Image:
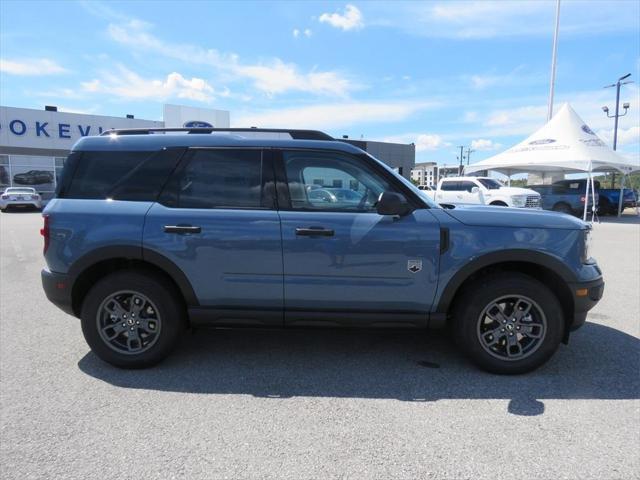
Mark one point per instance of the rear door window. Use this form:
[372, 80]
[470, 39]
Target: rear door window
[220, 178]
[450, 186]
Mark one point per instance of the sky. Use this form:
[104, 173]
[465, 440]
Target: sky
[439, 74]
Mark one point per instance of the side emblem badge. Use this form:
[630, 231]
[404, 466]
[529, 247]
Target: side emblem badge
[414, 266]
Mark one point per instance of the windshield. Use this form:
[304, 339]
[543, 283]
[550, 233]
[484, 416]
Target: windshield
[408, 184]
[490, 183]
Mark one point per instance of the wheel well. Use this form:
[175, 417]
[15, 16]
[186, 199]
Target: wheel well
[499, 203]
[105, 267]
[564, 204]
[548, 277]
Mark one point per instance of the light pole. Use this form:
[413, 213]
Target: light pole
[617, 115]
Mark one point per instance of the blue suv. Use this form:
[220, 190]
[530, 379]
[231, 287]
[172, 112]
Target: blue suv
[154, 231]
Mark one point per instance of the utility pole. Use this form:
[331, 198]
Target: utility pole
[605, 109]
[469, 152]
[461, 158]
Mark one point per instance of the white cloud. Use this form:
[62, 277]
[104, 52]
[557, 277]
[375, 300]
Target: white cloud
[127, 84]
[332, 116]
[351, 19]
[307, 32]
[484, 144]
[423, 141]
[33, 66]
[626, 136]
[270, 76]
[296, 33]
[503, 18]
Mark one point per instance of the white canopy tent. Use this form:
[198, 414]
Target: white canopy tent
[565, 144]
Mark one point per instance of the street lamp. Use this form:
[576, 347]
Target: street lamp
[469, 152]
[617, 115]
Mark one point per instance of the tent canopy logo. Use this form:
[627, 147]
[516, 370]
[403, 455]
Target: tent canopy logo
[542, 141]
[586, 129]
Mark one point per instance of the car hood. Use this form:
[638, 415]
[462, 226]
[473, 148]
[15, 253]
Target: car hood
[486, 216]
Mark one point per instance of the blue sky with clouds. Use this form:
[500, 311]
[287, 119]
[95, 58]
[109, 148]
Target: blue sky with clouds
[439, 74]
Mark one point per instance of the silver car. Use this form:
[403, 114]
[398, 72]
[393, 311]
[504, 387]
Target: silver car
[20, 197]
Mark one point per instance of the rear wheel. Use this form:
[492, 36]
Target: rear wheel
[508, 323]
[562, 208]
[131, 319]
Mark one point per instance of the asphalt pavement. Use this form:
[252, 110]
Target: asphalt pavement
[243, 404]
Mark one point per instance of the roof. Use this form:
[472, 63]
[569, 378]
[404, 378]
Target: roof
[565, 143]
[157, 141]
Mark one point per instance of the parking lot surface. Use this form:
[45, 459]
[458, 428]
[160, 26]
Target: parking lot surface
[315, 404]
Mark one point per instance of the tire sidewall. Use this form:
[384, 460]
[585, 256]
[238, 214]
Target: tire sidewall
[480, 294]
[159, 292]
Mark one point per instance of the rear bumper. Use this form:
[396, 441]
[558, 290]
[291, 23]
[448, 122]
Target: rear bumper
[57, 288]
[585, 302]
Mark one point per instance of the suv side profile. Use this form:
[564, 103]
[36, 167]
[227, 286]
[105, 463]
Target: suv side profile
[154, 231]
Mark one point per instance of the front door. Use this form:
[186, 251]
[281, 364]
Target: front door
[343, 262]
[216, 220]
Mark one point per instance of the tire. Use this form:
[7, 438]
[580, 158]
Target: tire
[498, 204]
[471, 323]
[160, 320]
[563, 208]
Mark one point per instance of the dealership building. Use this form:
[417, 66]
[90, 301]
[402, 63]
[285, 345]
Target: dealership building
[35, 143]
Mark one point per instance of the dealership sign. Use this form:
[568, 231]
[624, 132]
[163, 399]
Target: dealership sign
[28, 128]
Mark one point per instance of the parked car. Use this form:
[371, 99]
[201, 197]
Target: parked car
[20, 197]
[560, 197]
[33, 177]
[152, 233]
[428, 188]
[484, 191]
[334, 195]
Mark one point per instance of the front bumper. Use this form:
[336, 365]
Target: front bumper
[57, 288]
[585, 296]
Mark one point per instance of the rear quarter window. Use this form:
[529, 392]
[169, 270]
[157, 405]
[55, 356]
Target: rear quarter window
[117, 175]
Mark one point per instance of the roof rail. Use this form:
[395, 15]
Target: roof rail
[295, 134]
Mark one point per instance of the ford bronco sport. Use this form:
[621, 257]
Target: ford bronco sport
[156, 230]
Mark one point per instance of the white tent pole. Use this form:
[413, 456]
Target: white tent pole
[586, 198]
[593, 198]
[553, 62]
[621, 193]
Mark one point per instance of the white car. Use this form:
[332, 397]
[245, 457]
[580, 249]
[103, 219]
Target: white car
[20, 197]
[484, 191]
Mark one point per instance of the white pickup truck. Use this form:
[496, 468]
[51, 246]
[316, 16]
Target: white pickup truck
[484, 191]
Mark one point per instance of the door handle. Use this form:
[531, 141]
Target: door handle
[314, 232]
[182, 229]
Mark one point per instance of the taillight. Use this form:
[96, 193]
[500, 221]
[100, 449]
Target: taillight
[34, 197]
[582, 199]
[44, 231]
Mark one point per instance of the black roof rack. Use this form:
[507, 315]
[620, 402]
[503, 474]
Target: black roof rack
[295, 134]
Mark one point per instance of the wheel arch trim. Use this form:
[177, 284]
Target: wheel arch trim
[496, 258]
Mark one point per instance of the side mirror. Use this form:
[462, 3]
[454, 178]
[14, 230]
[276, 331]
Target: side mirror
[475, 190]
[392, 203]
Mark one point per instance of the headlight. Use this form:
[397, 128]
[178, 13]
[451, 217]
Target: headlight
[586, 253]
[519, 200]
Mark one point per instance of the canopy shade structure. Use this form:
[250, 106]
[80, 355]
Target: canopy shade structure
[564, 144]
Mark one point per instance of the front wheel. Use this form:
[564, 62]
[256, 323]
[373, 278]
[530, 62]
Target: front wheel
[132, 319]
[508, 323]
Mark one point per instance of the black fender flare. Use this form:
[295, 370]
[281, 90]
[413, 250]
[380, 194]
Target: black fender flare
[132, 252]
[494, 258]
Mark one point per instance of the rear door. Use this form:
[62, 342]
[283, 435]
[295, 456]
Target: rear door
[449, 192]
[216, 221]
